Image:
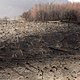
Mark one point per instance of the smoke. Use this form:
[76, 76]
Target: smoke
[13, 8]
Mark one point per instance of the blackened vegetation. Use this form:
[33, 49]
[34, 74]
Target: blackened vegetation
[48, 45]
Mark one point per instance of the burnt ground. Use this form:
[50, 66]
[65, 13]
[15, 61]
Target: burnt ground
[40, 51]
[42, 69]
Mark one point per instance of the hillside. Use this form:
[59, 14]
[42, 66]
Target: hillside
[39, 50]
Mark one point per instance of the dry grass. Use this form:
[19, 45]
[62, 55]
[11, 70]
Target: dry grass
[51, 12]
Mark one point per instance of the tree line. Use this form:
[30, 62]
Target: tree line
[53, 12]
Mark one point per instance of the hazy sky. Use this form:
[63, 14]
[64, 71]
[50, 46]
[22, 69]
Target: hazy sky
[16, 7]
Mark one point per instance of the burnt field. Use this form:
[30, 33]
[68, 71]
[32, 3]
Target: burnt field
[39, 51]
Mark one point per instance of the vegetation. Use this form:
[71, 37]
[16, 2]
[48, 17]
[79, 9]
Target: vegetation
[49, 12]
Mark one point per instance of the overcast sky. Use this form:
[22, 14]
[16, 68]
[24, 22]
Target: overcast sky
[16, 7]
